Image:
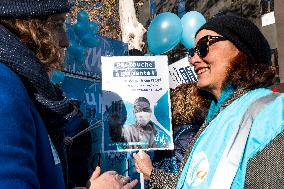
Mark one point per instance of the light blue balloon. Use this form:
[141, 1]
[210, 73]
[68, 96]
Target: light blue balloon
[72, 47]
[80, 52]
[82, 16]
[164, 33]
[86, 32]
[89, 40]
[76, 49]
[191, 22]
[80, 28]
[93, 27]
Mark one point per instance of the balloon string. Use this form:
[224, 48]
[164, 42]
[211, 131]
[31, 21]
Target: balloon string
[96, 125]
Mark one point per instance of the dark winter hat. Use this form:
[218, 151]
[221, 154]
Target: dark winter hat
[244, 34]
[32, 8]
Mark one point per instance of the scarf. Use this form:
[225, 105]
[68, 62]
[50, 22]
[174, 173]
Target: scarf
[215, 105]
[53, 107]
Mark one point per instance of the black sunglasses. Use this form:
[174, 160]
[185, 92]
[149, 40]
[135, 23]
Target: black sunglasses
[202, 46]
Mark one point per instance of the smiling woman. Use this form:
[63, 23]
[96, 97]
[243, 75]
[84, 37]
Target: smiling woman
[240, 144]
[212, 66]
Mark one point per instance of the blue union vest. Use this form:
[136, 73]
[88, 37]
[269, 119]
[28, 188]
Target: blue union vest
[200, 168]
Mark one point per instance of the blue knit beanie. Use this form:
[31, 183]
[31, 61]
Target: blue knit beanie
[32, 8]
[243, 33]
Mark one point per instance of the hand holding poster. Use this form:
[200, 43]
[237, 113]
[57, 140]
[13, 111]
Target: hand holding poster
[136, 105]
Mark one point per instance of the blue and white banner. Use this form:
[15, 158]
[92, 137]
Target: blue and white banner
[181, 72]
[153, 7]
[91, 66]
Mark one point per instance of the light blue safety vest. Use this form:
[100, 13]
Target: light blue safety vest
[204, 167]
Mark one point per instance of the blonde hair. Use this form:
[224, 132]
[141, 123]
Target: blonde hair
[36, 34]
[189, 105]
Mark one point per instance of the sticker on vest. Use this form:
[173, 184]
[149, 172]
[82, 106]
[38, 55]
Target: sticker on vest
[198, 170]
[54, 153]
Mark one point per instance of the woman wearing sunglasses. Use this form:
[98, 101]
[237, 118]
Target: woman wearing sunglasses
[240, 144]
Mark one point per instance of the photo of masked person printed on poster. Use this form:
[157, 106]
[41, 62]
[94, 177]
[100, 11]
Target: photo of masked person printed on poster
[136, 103]
[140, 134]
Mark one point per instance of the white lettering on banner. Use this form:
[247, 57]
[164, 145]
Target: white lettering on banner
[181, 72]
[90, 98]
[161, 138]
[96, 56]
[134, 64]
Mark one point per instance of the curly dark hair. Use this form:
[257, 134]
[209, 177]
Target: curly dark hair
[36, 35]
[189, 104]
[246, 73]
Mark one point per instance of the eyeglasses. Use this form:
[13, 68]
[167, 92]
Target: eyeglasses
[202, 46]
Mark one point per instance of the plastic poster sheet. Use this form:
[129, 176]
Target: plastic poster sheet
[136, 103]
[87, 93]
[181, 72]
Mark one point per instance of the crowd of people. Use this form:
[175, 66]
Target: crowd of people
[228, 127]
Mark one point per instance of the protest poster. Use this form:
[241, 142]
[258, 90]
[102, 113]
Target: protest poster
[136, 103]
[181, 72]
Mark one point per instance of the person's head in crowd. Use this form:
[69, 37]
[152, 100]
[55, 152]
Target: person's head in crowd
[189, 104]
[142, 111]
[40, 26]
[32, 40]
[230, 49]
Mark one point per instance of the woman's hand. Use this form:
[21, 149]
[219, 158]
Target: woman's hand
[68, 141]
[143, 164]
[109, 179]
